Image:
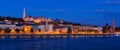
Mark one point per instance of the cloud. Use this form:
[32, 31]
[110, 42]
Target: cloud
[59, 10]
[109, 13]
[103, 11]
[46, 10]
[111, 2]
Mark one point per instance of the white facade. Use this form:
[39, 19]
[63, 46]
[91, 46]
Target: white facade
[99, 29]
[28, 19]
[48, 27]
[85, 27]
[10, 26]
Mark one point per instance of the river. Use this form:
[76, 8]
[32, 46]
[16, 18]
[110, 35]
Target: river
[87, 43]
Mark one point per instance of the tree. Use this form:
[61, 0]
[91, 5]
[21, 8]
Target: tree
[1, 29]
[17, 30]
[22, 30]
[104, 31]
[31, 30]
[69, 30]
[7, 30]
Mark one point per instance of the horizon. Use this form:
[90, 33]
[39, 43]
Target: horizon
[84, 12]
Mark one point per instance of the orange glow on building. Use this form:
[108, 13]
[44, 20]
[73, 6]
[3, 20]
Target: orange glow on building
[12, 31]
[2, 32]
[56, 32]
[51, 32]
[42, 32]
[37, 32]
[21, 32]
[37, 20]
[27, 29]
[63, 31]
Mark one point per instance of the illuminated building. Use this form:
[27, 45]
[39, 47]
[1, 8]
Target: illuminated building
[112, 29]
[2, 32]
[47, 28]
[76, 29]
[98, 30]
[26, 18]
[117, 30]
[106, 28]
[27, 28]
[35, 19]
[61, 29]
[86, 30]
[109, 29]
[11, 26]
[41, 19]
[7, 21]
[12, 31]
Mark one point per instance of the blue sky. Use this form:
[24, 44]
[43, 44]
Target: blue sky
[94, 12]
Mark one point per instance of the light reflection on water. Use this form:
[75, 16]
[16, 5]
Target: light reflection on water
[61, 43]
[55, 36]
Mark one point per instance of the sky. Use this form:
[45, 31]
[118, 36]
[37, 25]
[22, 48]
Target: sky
[93, 12]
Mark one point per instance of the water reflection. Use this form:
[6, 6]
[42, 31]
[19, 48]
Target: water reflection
[56, 36]
[62, 44]
[13, 36]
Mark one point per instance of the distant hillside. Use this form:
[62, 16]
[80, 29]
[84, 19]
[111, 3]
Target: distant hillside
[11, 18]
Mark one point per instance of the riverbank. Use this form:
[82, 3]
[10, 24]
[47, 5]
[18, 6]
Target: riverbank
[15, 36]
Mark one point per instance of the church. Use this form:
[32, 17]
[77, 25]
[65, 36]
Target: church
[35, 19]
[109, 29]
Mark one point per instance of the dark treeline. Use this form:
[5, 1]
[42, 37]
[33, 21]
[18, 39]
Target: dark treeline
[11, 18]
[21, 20]
[57, 21]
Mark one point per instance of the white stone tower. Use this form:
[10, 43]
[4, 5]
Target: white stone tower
[24, 13]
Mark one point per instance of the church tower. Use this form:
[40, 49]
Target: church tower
[113, 26]
[24, 13]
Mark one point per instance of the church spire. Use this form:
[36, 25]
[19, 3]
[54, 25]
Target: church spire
[24, 13]
[113, 26]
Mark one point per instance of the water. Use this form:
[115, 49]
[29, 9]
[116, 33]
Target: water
[90, 43]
